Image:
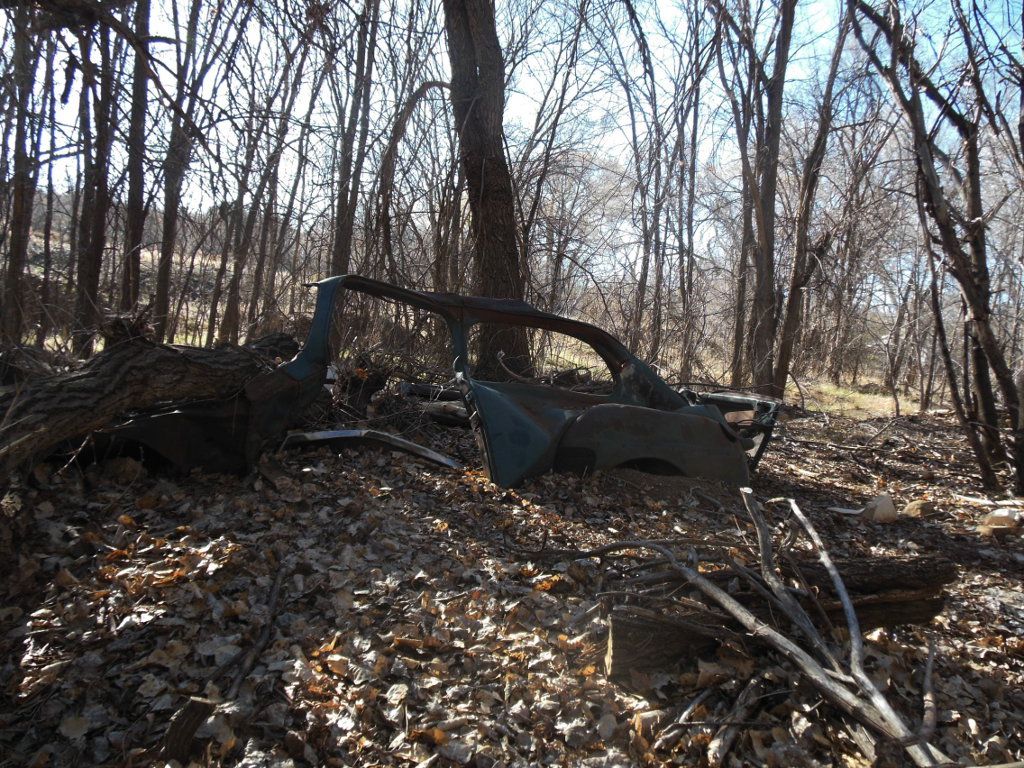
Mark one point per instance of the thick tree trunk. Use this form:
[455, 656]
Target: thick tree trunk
[478, 101]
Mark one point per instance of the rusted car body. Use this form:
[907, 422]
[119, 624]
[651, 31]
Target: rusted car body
[524, 428]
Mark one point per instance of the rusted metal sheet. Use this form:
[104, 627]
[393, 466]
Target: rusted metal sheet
[342, 438]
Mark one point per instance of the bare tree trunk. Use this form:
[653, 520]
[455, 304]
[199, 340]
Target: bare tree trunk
[135, 212]
[988, 477]
[264, 249]
[23, 184]
[740, 310]
[478, 101]
[232, 215]
[803, 267]
[386, 176]
[94, 225]
[764, 318]
[176, 162]
[45, 289]
[961, 234]
[353, 144]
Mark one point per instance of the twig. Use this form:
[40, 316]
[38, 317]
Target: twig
[257, 650]
[921, 752]
[930, 714]
[177, 742]
[722, 742]
[837, 446]
[513, 374]
[812, 596]
[792, 608]
[675, 730]
[878, 434]
[717, 504]
[602, 551]
[803, 400]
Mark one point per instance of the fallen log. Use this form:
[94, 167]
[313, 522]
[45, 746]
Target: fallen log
[885, 593]
[128, 376]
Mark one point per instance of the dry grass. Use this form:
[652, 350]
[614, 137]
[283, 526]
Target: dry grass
[862, 402]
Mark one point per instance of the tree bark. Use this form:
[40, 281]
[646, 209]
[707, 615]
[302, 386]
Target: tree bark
[803, 266]
[127, 376]
[353, 142]
[96, 200]
[763, 314]
[478, 102]
[135, 208]
[23, 184]
[176, 162]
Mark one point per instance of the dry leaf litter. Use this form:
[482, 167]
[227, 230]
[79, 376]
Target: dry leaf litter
[368, 608]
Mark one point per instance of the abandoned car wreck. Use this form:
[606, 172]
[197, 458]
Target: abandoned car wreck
[524, 428]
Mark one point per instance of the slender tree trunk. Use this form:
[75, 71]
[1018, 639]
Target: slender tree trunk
[353, 144]
[232, 219]
[804, 267]
[252, 311]
[764, 316]
[12, 319]
[86, 275]
[45, 290]
[135, 212]
[988, 476]
[176, 162]
[740, 312]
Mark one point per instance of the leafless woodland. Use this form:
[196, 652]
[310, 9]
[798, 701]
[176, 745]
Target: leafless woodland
[748, 193]
[768, 196]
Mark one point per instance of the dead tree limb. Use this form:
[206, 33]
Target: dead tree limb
[746, 704]
[131, 375]
[871, 708]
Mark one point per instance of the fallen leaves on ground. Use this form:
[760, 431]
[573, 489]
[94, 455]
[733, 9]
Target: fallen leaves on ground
[412, 627]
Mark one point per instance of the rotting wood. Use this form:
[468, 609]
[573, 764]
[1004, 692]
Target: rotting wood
[864, 576]
[885, 593]
[642, 641]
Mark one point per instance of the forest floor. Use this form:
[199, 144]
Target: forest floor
[368, 608]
